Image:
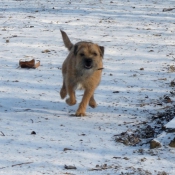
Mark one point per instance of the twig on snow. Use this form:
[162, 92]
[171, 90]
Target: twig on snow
[2, 133]
[168, 9]
[21, 164]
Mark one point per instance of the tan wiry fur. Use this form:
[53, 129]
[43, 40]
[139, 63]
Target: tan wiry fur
[81, 69]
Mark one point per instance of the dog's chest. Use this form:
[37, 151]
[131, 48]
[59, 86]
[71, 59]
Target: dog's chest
[79, 86]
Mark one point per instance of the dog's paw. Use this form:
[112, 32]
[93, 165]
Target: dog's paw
[92, 104]
[80, 114]
[63, 93]
[70, 102]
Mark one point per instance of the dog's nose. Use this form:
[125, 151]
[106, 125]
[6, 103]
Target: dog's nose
[88, 60]
[88, 63]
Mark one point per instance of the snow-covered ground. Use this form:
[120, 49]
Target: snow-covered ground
[139, 41]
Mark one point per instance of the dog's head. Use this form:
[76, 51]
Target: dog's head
[88, 56]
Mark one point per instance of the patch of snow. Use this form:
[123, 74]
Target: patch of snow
[139, 48]
[171, 124]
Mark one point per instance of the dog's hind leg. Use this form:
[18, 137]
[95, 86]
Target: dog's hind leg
[92, 102]
[72, 99]
[63, 91]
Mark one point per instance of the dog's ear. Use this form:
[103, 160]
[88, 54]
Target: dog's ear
[102, 50]
[76, 49]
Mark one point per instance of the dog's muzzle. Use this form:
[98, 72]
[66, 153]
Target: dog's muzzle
[88, 62]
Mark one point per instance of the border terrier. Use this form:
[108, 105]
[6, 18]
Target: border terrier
[82, 70]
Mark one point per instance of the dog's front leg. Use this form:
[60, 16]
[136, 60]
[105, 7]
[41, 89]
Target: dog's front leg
[72, 99]
[82, 107]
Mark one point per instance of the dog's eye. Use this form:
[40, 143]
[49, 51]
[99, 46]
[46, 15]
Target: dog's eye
[82, 54]
[95, 54]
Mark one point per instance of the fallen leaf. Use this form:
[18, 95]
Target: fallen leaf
[45, 51]
[33, 133]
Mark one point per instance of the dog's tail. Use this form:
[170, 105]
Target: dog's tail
[66, 40]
